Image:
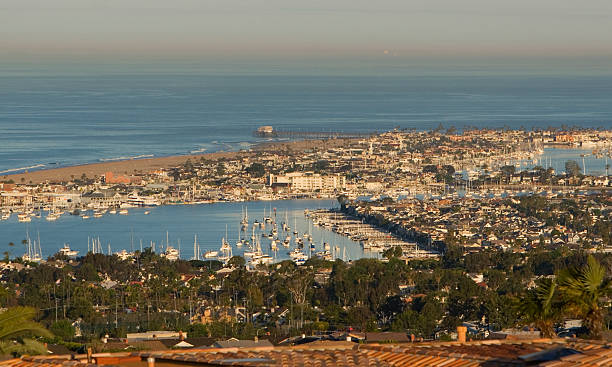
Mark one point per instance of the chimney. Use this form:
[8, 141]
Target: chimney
[181, 336]
[461, 331]
[89, 355]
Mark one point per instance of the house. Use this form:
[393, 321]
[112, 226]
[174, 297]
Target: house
[566, 352]
[235, 343]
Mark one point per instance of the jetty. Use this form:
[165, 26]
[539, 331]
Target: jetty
[270, 132]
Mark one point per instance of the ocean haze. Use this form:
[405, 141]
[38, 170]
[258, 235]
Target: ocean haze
[285, 32]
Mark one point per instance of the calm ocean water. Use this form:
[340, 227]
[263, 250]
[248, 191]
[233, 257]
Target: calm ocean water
[46, 121]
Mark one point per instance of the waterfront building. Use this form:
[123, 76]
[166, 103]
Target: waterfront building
[308, 181]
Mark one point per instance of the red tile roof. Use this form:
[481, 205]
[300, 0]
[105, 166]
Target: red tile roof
[540, 352]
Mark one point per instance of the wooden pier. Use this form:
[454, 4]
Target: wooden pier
[269, 132]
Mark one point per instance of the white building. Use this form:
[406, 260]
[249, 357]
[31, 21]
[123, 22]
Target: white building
[309, 181]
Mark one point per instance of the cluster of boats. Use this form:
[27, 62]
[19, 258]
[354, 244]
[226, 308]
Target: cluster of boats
[278, 235]
[54, 214]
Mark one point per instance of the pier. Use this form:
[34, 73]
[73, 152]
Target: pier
[270, 132]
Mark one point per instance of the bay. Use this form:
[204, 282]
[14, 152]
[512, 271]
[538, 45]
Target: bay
[181, 223]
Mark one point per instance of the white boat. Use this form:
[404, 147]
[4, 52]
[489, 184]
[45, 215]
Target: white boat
[24, 217]
[112, 211]
[6, 216]
[211, 254]
[34, 250]
[147, 212]
[261, 260]
[171, 253]
[123, 212]
[226, 251]
[298, 256]
[52, 217]
[67, 251]
[249, 253]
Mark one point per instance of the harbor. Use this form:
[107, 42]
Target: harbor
[372, 239]
[202, 232]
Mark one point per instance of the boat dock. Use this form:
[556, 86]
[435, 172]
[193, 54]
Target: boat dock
[371, 238]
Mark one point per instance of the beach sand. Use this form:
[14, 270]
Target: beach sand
[139, 166]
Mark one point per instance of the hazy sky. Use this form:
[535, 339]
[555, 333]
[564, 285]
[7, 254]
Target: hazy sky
[393, 32]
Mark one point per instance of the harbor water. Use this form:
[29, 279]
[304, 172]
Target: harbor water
[180, 224]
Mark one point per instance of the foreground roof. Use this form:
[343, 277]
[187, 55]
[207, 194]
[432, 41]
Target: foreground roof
[537, 352]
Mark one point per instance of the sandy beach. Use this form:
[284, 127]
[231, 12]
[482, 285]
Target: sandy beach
[138, 166]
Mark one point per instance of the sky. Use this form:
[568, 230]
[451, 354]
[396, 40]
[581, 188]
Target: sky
[342, 34]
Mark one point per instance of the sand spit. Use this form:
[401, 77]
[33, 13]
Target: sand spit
[144, 165]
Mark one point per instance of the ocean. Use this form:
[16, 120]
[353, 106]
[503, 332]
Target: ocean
[51, 121]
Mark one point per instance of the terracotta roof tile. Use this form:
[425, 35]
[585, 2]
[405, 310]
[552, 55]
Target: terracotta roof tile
[447, 354]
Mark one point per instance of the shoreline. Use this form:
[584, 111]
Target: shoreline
[145, 165]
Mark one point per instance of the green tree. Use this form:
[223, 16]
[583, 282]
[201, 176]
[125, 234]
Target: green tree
[538, 307]
[256, 170]
[572, 168]
[16, 324]
[395, 251]
[63, 329]
[582, 290]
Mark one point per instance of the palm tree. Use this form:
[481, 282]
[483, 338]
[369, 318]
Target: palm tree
[582, 290]
[17, 323]
[538, 307]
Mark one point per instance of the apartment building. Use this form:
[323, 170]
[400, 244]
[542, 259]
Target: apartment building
[308, 181]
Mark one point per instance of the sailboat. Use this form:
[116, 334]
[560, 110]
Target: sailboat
[239, 241]
[34, 250]
[245, 219]
[196, 248]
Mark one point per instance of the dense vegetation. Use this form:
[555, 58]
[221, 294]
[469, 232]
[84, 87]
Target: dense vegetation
[427, 298]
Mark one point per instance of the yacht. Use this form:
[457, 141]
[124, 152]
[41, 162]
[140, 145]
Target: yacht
[261, 260]
[67, 251]
[24, 217]
[226, 250]
[123, 212]
[52, 216]
[171, 253]
[298, 256]
[211, 254]
[6, 216]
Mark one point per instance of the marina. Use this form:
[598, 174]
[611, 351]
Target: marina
[372, 239]
[271, 231]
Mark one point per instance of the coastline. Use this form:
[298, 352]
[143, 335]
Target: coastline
[143, 165]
